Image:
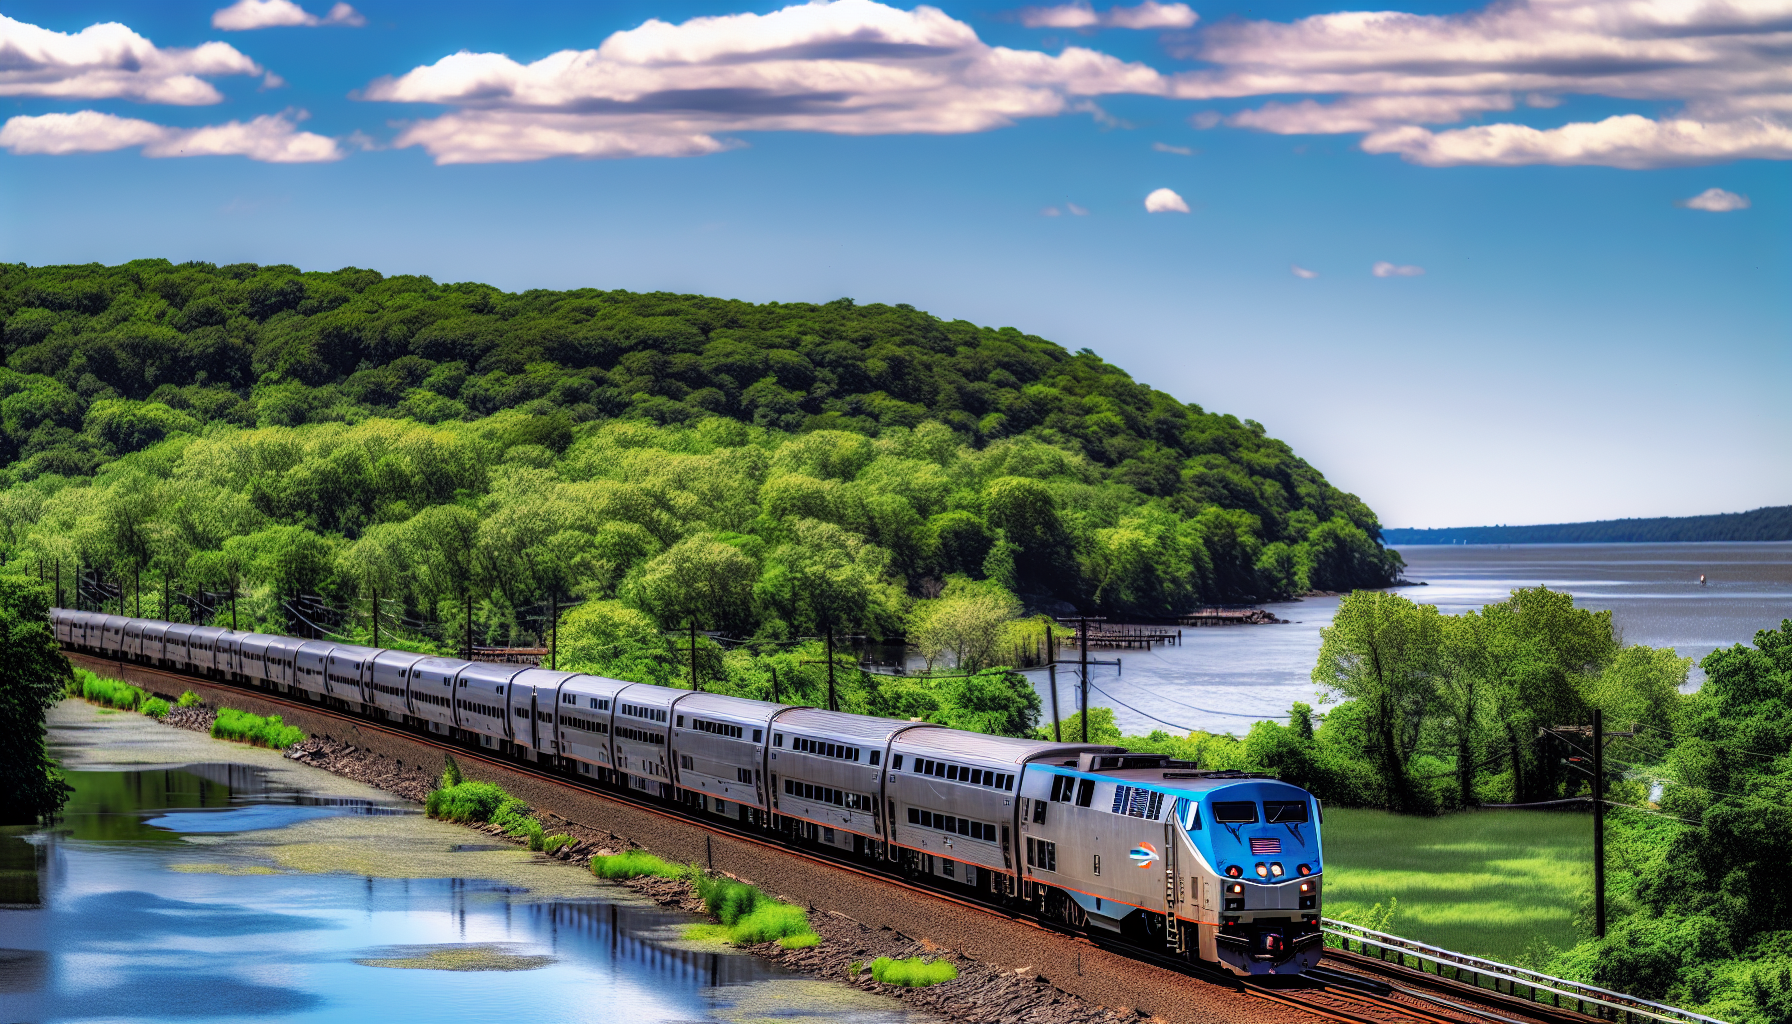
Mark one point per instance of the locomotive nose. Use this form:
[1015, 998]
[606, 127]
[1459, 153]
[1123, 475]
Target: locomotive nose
[1270, 943]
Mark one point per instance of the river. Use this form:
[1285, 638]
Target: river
[1220, 679]
[195, 879]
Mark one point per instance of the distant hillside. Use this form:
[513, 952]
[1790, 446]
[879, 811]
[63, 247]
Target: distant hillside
[1773, 523]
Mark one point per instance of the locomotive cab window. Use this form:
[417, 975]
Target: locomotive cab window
[1284, 812]
[1235, 812]
[1085, 793]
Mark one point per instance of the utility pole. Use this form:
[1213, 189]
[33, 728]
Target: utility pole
[469, 625]
[833, 705]
[376, 617]
[137, 589]
[1051, 669]
[58, 582]
[1598, 823]
[692, 623]
[554, 629]
[1082, 634]
[375, 609]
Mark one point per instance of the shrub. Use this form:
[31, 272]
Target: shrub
[752, 916]
[188, 700]
[635, 864]
[552, 844]
[155, 707]
[109, 693]
[466, 802]
[913, 972]
[450, 772]
[244, 727]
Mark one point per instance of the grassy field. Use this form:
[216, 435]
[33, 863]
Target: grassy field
[1489, 883]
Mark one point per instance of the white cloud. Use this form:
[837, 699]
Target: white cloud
[1165, 201]
[1205, 119]
[1723, 63]
[1050, 211]
[252, 14]
[1302, 272]
[1075, 210]
[1715, 200]
[110, 61]
[1147, 15]
[852, 67]
[1386, 269]
[1628, 140]
[272, 138]
[1165, 147]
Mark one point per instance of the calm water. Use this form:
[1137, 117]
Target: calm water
[1221, 679]
[137, 907]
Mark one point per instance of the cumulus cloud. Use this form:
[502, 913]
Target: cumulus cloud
[252, 14]
[1165, 201]
[110, 61]
[1165, 147]
[272, 138]
[1302, 272]
[1628, 140]
[1715, 200]
[1390, 73]
[1386, 269]
[852, 67]
[1146, 15]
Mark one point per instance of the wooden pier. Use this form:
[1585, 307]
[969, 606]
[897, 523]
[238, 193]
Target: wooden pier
[1229, 617]
[1105, 635]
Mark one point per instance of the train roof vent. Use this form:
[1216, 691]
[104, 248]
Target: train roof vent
[1093, 762]
[1229, 773]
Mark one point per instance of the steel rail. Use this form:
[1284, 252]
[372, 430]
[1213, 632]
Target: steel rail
[1193, 971]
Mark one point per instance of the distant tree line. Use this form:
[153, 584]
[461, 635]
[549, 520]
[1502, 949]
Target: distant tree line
[1763, 524]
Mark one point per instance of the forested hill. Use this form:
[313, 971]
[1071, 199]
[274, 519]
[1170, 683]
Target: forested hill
[152, 412]
[1773, 523]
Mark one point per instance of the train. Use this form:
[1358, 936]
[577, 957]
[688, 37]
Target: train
[1220, 867]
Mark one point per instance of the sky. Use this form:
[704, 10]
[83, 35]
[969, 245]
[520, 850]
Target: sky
[1519, 263]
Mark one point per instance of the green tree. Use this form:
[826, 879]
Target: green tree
[1380, 651]
[968, 621]
[700, 580]
[37, 677]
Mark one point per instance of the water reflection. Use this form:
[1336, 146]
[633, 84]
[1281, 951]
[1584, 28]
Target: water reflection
[116, 920]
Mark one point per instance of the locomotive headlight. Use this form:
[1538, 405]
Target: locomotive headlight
[1303, 870]
[1262, 870]
[1275, 868]
[1306, 887]
[1235, 889]
[1234, 871]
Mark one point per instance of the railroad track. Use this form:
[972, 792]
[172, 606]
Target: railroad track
[1355, 989]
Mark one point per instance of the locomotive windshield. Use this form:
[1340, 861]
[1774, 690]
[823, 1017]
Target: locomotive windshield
[1235, 812]
[1284, 812]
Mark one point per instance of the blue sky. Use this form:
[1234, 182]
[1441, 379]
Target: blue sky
[1578, 345]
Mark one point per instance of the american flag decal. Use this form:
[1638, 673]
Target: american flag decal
[1264, 847]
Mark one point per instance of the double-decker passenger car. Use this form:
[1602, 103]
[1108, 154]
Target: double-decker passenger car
[1222, 867]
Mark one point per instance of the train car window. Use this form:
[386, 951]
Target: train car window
[681, 721]
[1042, 853]
[1061, 787]
[896, 763]
[758, 735]
[1284, 812]
[1085, 792]
[874, 755]
[777, 739]
[1235, 812]
[1039, 807]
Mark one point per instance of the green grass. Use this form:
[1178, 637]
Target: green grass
[913, 972]
[255, 730]
[477, 802]
[110, 693]
[1490, 883]
[188, 699]
[753, 917]
[155, 707]
[635, 864]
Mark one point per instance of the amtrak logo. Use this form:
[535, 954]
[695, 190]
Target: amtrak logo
[1145, 855]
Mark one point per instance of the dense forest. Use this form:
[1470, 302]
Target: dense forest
[336, 433]
[1762, 524]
